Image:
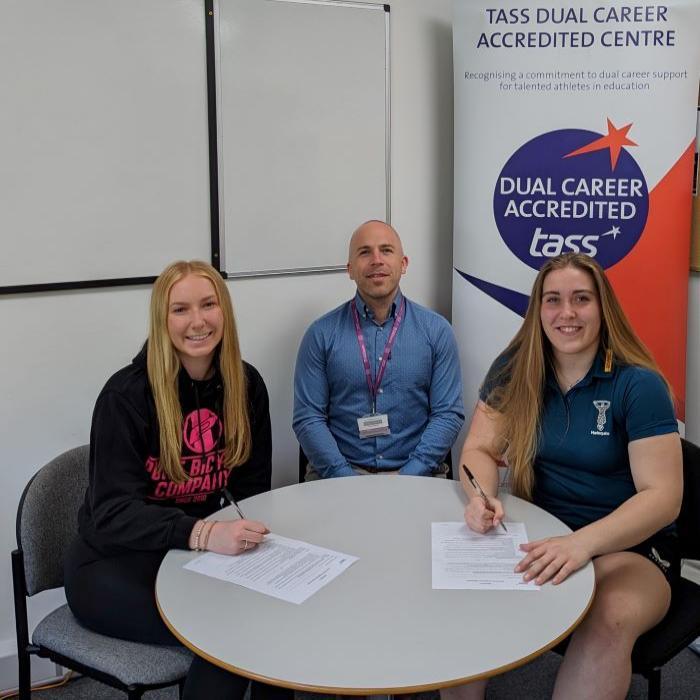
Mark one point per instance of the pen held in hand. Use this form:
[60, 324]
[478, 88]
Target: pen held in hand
[232, 501]
[480, 492]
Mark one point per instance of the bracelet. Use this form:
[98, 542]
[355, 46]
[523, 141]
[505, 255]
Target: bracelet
[197, 533]
[207, 533]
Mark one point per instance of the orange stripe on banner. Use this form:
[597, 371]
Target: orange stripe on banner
[652, 280]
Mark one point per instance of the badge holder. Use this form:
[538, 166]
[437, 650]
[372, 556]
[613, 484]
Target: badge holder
[373, 425]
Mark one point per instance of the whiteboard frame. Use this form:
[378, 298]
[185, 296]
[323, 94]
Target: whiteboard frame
[214, 238]
[274, 272]
[213, 78]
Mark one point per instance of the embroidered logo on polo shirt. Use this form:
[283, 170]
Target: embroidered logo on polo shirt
[601, 420]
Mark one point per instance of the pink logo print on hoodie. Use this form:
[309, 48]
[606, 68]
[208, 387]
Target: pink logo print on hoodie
[201, 430]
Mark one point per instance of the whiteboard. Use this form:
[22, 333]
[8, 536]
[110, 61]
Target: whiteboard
[103, 135]
[303, 127]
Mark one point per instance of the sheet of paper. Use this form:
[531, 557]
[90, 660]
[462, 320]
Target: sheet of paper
[466, 559]
[280, 567]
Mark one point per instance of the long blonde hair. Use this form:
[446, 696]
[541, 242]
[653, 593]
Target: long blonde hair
[519, 383]
[163, 366]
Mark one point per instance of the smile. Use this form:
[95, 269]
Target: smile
[198, 338]
[569, 330]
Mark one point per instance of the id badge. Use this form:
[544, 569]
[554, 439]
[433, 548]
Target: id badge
[373, 425]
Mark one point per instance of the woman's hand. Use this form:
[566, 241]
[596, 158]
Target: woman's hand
[235, 536]
[553, 558]
[479, 517]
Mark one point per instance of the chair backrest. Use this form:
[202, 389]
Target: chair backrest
[688, 522]
[303, 461]
[448, 462]
[47, 517]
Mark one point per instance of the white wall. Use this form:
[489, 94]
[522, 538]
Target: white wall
[59, 348]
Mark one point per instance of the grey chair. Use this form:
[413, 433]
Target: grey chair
[46, 524]
[682, 622]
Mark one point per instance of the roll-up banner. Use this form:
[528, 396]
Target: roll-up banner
[574, 131]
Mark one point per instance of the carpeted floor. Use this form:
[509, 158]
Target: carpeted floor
[680, 681]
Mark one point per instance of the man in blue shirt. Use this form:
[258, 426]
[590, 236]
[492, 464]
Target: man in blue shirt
[377, 385]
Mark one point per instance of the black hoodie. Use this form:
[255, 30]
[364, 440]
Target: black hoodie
[129, 503]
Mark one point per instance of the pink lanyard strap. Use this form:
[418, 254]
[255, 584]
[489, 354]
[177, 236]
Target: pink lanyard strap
[374, 385]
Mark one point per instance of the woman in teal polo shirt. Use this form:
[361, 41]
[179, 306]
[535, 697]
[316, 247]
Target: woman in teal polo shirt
[578, 409]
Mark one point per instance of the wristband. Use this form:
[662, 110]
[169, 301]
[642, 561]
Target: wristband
[205, 539]
[197, 533]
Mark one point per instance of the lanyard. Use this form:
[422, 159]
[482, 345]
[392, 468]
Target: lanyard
[374, 385]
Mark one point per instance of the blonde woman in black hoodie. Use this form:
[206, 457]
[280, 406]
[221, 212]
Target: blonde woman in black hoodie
[186, 419]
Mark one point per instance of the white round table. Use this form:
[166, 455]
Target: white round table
[379, 627]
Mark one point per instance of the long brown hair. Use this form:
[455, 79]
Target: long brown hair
[164, 366]
[519, 382]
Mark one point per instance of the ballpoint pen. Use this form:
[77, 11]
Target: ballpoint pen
[232, 501]
[480, 492]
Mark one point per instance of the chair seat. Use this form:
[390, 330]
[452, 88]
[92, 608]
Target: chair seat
[129, 662]
[678, 629]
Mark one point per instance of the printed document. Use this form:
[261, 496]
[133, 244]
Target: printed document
[280, 567]
[466, 559]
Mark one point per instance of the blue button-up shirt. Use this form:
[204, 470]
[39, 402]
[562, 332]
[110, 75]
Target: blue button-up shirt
[421, 391]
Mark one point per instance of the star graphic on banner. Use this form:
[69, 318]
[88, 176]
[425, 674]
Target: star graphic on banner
[615, 140]
[614, 232]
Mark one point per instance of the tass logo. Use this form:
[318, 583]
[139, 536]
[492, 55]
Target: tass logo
[572, 191]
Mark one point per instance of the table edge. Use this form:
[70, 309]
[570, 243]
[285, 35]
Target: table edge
[383, 690]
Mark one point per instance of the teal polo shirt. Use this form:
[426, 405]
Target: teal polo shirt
[582, 466]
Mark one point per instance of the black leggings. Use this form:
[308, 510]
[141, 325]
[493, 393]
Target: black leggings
[115, 596]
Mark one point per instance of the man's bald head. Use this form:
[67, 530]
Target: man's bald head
[376, 262]
[373, 225]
